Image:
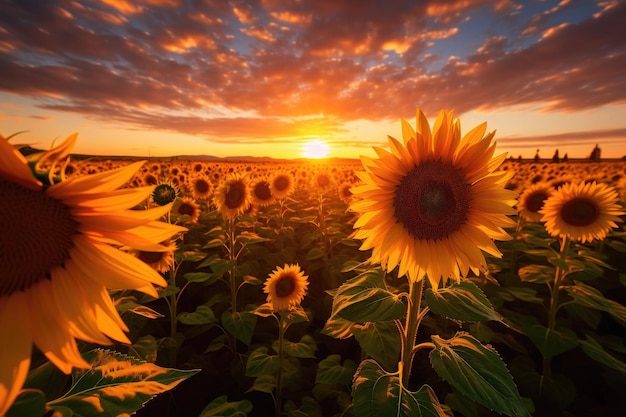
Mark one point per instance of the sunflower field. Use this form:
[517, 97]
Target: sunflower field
[439, 279]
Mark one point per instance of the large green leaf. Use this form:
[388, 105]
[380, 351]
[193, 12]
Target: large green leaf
[203, 315]
[594, 350]
[381, 341]
[463, 301]
[305, 348]
[376, 393]
[240, 324]
[366, 299]
[31, 403]
[261, 363]
[116, 384]
[586, 295]
[539, 274]
[220, 407]
[549, 342]
[478, 372]
[330, 371]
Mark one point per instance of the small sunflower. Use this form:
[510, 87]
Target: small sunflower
[281, 185]
[161, 261]
[582, 211]
[187, 206]
[164, 193]
[286, 287]
[59, 255]
[200, 187]
[232, 197]
[433, 203]
[322, 180]
[531, 201]
[262, 193]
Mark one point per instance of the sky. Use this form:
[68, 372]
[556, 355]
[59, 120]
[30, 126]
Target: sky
[265, 77]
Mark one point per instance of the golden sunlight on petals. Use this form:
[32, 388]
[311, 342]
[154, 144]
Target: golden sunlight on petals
[435, 201]
[14, 167]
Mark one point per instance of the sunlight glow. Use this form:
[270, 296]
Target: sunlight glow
[315, 149]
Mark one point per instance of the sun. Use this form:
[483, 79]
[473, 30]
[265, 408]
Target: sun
[315, 149]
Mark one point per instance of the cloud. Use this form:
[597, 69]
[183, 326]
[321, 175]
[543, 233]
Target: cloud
[285, 64]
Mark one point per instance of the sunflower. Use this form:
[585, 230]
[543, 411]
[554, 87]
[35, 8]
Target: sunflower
[321, 180]
[582, 211]
[262, 193]
[161, 261]
[433, 203]
[59, 255]
[286, 287]
[531, 201]
[281, 185]
[232, 197]
[187, 206]
[165, 192]
[199, 186]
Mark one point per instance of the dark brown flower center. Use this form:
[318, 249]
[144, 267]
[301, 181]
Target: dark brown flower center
[534, 202]
[186, 209]
[36, 234]
[580, 212]
[281, 183]
[432, 200]
[285, 285]
[322, 180]
[235, 195]
[151, 257]
[262, 191]
[201, 186]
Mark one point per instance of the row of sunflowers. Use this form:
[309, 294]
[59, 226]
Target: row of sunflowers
[437, 279]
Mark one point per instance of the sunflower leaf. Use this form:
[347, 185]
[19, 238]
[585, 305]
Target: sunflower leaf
[261, 363]
[30, 403]
[366, 299]
[330, 371]
[594, 350]
[203, 315]
[478, 372]
[220, 407]
[378, 393]
[590, 297]
[381, 341]
[549, 342]
[240, 324]
[463, 301]
[116, 384]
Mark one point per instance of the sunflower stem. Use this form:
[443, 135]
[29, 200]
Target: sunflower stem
[559, 274]
[279, 373]
[413, 318]
[231, 276]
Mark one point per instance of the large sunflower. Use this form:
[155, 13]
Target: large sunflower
[582, 211]
[59, 252]
[433, 203]
[286, 287]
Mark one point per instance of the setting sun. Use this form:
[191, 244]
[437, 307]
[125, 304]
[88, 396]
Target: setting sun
[315, 149]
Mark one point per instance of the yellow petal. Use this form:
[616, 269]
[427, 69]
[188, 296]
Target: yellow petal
[14, 167]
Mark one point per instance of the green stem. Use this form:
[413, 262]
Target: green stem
[559, 274]
[232, 277]
[279, 373]
[413, 318]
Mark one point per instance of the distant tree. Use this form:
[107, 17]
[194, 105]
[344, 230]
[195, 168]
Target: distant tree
[595, 154]
[555, 157]
[536, 158]
[565, 157]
